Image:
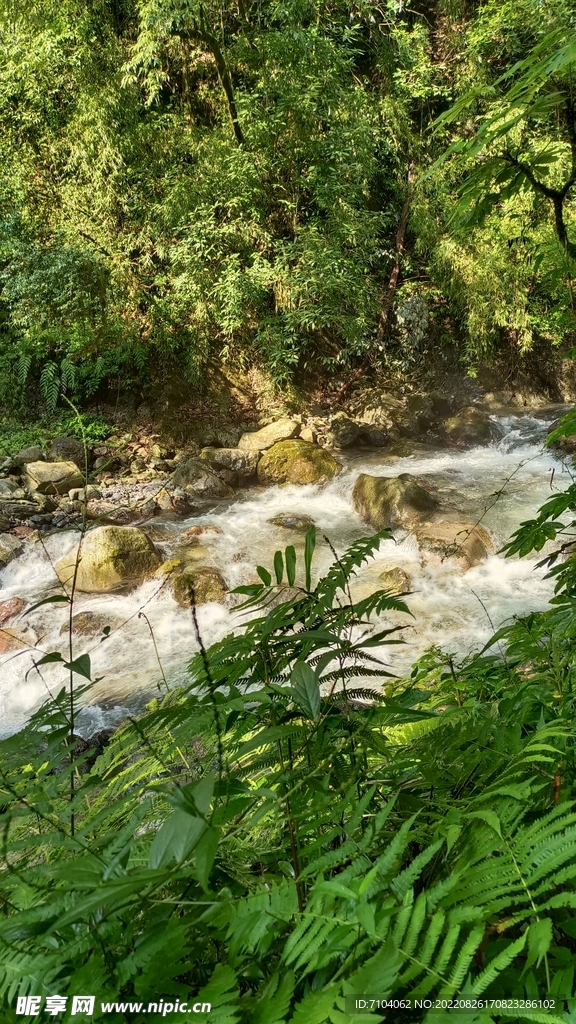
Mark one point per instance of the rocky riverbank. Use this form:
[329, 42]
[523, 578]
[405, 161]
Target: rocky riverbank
[129, 493]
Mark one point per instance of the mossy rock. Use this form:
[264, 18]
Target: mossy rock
[392, 501]
[396, 580]
[470, 426]
[297, 462]
[292, 521]
[205, 584]
[111, 558]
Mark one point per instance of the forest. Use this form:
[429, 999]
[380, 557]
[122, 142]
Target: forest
[250, 256]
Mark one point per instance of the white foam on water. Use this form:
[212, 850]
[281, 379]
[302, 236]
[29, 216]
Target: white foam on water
[504, 483]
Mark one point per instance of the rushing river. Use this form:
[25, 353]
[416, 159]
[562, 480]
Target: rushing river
[455, 611]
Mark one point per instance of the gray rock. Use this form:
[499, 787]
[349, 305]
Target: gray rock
[19, 508]
[8, 488]
[10, 547]
[7, 464]
[195, 477]
[392, 501]
[84, 493]
[26, 455]
[343, 432]
[237, 461]
[422, 408]
[261, 440]
[67, 449]
[379, 408]
[443, 405]
[376, 437]
[53, 477]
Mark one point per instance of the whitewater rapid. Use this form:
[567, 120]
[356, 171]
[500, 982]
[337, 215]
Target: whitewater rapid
[501, 483]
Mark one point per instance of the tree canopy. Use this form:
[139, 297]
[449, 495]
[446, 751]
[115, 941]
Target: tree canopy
[182, 182]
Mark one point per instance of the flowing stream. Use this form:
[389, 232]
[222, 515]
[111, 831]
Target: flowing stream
[457, 611]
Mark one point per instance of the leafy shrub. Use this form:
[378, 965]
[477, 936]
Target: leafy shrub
[280, 837]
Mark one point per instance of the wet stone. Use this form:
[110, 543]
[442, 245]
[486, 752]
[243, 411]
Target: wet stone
[292, 521]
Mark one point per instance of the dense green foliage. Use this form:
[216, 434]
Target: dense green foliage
[182, 182]
[278, 838]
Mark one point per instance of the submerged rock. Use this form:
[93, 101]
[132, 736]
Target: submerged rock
[470, 426]
[261, 440]
[469, 543]
[8, 609]
[392, 501]
[53, 477]
[91, 623]
[297, 462]
[195, 477]
[292, 521]
[396, 580]
[16, 639]
[203, 584]
[111, 558]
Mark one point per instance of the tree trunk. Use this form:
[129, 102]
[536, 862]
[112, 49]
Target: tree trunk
[390, 290]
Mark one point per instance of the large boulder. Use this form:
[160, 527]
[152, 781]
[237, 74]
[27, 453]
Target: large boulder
[53, 477]
[379, 408]
[385, 501]
[470, 426]
[239, 463]
[466, 543]
[111, 558]
[67, 449]
[195, 477]
[343, 432]
[261, 440]
[297, 462]
[201, 585]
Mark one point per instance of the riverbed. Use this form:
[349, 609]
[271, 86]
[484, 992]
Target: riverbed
[151, 639]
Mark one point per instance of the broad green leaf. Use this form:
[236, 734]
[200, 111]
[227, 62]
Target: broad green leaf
[279, 566]
[306, 689]
[176, 839]
[290, 556]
